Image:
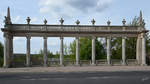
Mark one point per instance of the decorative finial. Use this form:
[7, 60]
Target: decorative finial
[124, 22]
[28, 20]
[7, 18]
[140, 18]
[93, 22]
[45, 21]
[61, 21]
[8, 12]
[77, 22]
[108, 23]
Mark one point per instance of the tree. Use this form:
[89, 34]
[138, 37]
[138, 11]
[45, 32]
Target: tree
[66, 52]
[116, 48]
[85, 49]
[39, 57]
[130, 45]
[57, 54]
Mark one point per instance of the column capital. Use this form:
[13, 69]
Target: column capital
[77, 37]
[45, 37]
[28, 36]
[142, 35]
[61, 37]
[139, 36]
[7, 35]
[93, 37]
[11, 37]
[108, 37]
[124, 37]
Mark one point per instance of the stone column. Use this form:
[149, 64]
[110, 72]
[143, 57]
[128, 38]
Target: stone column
[138, 49]
[93, 50]
[143, 50]
[6, 51]
[123, 51]
[77, 50]
[45, 51]
[61, 52]
[108, 51]
[28, 51]
[11, 50]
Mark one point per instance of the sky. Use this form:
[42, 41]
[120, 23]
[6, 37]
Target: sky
[70, 11]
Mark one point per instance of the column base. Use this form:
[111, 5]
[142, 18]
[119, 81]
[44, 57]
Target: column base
[124, 64]
[93, 64]
[77, 65]
[28, 65]
[6, 66]
[45, 65]
[143, 64]
[62, 65]
[108, 64]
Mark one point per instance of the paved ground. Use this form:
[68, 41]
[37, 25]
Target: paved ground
[136, 77]
[77, 69]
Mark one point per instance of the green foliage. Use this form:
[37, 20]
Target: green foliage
[131, 48]
[19, 58]
[85, 49]
[116, 48]
[40, 55]
[66, 52]
[100, 50]
[130, 45]
[57, 55]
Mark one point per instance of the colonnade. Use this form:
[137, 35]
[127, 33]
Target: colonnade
[10, 30]
[140, 50]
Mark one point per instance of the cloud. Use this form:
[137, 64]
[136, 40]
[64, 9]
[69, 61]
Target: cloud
[89, 5]
[69, 8]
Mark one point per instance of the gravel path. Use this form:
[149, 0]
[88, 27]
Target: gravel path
[77, 69]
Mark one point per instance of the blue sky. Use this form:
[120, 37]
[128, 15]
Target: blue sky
[70, 10]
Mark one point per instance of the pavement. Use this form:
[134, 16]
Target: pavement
[76, 75]
[76, 69]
